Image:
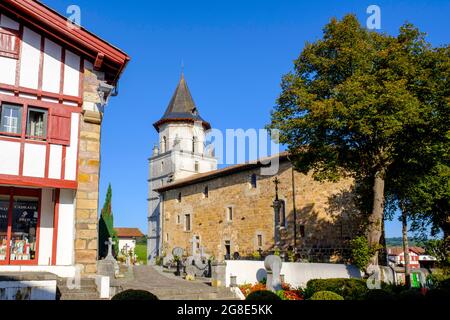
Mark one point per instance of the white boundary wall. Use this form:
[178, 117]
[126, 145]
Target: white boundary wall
[295, 273]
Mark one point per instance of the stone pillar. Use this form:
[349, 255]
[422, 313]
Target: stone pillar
[86, 223]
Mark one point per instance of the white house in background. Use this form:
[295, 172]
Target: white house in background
[396, 256]
[127, 238]
[55, 79]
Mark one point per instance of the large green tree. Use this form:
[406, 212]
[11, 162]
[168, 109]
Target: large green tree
[106, 226]
[352, 103]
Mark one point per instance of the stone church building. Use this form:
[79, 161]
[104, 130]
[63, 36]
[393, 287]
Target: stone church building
[230, 211]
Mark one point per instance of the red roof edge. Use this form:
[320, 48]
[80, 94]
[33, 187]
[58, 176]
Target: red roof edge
[51, 22]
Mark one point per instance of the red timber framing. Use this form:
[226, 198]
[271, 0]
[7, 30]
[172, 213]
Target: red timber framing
[55, 226]
[22, 138]
[77, 39]
[14, 192]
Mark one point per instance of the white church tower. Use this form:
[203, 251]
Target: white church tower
[180, 154]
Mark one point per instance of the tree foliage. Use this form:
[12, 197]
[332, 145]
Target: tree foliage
[106, 226]
[361, 252]
[356, 102]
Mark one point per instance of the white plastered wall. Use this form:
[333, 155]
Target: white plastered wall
[66, 228]
[46, 228]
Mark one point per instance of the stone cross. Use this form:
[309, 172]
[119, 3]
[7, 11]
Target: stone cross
[272, 264]
[127, 255]
[194, 241]
[109, 243]
[276, 182]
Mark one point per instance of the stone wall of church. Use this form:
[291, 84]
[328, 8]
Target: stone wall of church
[325, 215]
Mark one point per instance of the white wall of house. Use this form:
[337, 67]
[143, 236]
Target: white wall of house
[72, 150]
[295, 273]
[30, 61]
[46, 228]
[9, 157]
[66, 228]
[131, 243]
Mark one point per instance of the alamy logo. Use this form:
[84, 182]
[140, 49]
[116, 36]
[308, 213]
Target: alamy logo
[374, 20]
[74, 16]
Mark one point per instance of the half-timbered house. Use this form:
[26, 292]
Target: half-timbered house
[55, 79]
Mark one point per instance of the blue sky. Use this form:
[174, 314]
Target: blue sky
[234, 54]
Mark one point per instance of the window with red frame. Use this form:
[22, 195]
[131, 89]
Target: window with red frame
[9, 43]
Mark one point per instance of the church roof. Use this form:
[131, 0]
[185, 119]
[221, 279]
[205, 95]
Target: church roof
[181, 107]
[209, 175]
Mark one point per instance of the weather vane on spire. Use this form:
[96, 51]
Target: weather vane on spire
[182, 66]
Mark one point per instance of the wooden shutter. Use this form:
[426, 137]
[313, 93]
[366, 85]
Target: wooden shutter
[59, 126]
[9, 44]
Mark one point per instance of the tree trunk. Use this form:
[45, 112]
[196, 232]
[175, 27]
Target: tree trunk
[376, 218]
[406, 248]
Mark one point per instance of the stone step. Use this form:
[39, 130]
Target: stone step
[80, 296]
[86, 291]
[206, 293]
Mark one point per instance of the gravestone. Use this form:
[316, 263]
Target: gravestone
[194, 242]
[178, 253]
[167, 260]
[108, 266]
[273, 264]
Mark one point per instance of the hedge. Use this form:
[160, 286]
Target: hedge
[350, 289]
[326, 295]
[135, 295]
[262, 295]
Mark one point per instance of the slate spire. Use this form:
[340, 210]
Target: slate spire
[181, 107]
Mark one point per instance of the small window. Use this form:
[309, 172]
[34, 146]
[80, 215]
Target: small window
[187, 222]
[164, 144]
[302, 231]
[167, 237]
[37, 123]
[178, 219]
[179, 197]
[11, 121]
[230, 213]
[196, 166]
[194, 144]
[206, 192]
[162, 166]
[197, 242]
[253, 180]
[259, 240]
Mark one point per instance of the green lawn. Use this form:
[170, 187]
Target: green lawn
[141, 252]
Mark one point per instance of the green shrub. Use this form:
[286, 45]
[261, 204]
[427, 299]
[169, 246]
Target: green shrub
[379, 295]
[281, 295]
[350, 289]
[362, 252]
[326, 295]
[263, 295]
[394, 289]
[135, 295]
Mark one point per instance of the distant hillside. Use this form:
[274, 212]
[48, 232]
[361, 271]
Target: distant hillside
[398, 242]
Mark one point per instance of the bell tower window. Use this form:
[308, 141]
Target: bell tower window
[194, 144]
[164, 144]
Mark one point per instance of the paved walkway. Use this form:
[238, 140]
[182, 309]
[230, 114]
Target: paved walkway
[167, 286]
